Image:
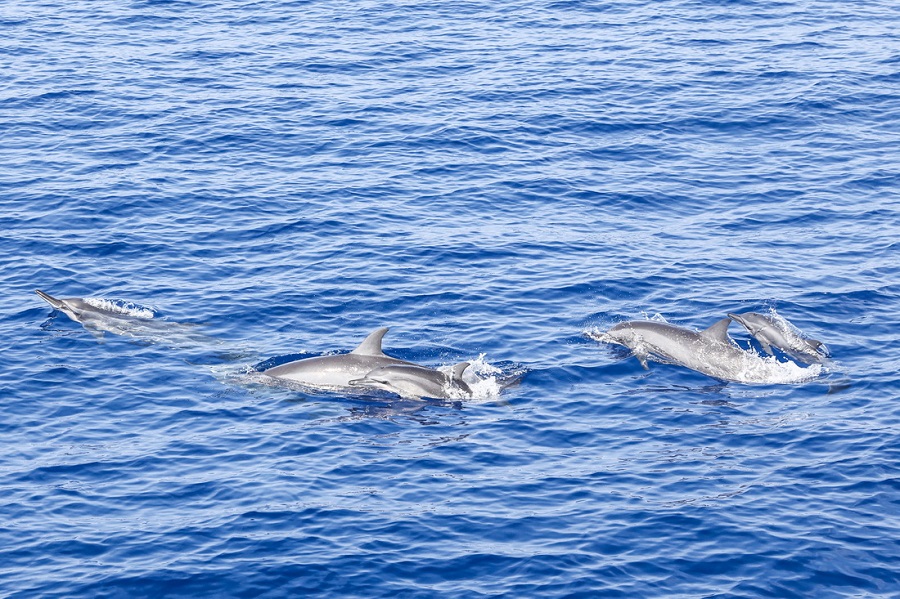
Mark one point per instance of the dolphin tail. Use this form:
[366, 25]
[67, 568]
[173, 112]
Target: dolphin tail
[456, 379]
[457, 371]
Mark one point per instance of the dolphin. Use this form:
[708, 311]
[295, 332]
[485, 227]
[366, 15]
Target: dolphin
[99, 316]
[409, 380]
[771, 330]
[710, 352]
[338, 370]
[83, 311]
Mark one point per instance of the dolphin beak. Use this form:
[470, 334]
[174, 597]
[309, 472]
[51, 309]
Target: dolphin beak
[57, 304]
[738, 319]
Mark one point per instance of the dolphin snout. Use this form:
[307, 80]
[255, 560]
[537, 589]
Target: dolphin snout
[49, 299]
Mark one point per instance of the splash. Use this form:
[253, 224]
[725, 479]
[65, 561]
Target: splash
[483, 378]
[767, 370]
[794, 335]
[120, 307]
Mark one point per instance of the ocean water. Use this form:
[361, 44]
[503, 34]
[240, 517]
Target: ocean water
[496, 182]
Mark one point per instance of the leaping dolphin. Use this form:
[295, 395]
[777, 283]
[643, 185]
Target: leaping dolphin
[339, 370]
[410, 380]
[710, 352]
[776, 331]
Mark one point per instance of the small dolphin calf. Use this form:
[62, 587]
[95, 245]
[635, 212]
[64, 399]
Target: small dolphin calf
[710, 352]
[776, 331]
[409, 380]
[338, 370]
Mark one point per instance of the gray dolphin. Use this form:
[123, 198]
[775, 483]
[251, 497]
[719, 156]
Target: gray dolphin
[99, 316]
[410, 380]
[338, 370]
[81, 310]
[710, 352]
[771, 330]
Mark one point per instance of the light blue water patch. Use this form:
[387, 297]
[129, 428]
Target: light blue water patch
[494, 183]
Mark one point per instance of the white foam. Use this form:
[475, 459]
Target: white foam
[120, 307]
[769, 371]
[482, 378]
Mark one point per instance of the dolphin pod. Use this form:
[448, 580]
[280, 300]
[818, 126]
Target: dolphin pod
[369, 367]
[711, 352]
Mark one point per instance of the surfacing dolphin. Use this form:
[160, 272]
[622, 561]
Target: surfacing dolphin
[338, 370]
[410, 380]
[777, 331]
[710, 352]
[99, 316]
[86, 311]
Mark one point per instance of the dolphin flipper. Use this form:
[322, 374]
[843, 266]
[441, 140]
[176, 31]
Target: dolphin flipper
[642, 358]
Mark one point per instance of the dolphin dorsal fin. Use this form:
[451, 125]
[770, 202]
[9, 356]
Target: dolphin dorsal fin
[371, 345]
[457, 371]
[718, 332]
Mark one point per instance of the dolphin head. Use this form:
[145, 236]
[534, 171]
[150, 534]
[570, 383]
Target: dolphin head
[71, 307]
[754, 322]
[623, 334]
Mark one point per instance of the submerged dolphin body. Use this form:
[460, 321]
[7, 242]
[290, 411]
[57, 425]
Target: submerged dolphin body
[85, 311]
[410, 380]
[99, 316]
[338, 370]
[710, 352]
[771, 331]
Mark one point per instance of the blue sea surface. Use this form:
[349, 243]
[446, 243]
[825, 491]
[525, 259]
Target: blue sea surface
[498, 183]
